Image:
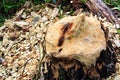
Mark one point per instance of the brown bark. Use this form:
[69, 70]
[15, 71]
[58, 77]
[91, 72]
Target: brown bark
[99, 8]
[71, 69]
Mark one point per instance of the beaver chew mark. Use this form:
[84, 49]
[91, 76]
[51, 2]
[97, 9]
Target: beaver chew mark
[61, 40]
[64, 29]
[60, 50]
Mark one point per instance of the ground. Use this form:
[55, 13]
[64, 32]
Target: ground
[23, 42]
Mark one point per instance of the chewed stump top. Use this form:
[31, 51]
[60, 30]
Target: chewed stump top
[79, 37]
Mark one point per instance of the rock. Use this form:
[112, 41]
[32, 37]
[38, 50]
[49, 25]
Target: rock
[79, 37]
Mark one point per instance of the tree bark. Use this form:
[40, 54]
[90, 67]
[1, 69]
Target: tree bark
[71, 69]
[99, 8]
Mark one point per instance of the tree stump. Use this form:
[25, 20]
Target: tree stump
[67, 68]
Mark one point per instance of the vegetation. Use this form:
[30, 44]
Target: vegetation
[113, 3]
[9, 7]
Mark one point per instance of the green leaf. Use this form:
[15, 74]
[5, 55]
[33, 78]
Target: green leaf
[83, 1]
[37, 1]
[9, 5]
[118, 7]
[22, 1]
[47, 0]
[118, 31]
[2, 18]
[1, 24]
